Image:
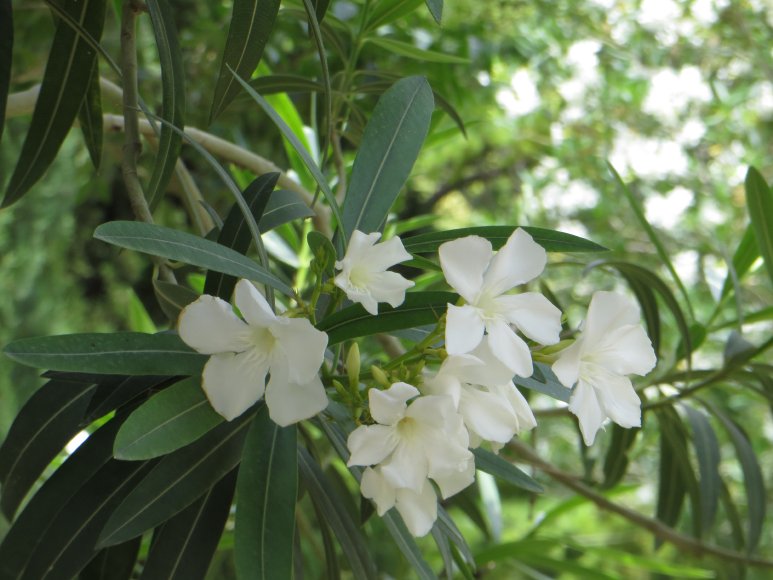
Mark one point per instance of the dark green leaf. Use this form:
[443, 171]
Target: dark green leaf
[498, 467]
[550, 386]
[388, 11]
[177, 481]
[326, 127]
[172, 298]
[645, 296]
[115, 391]
[113, 563]
[279, 83]
[617, 459]
[389, 148]
[235, 233]
[419, 308]
[90, 117]
[346, 530]
[266, 496]
[283, 206]
[759, 201]
[171, 419]
[551, 240]
[172, 97]
[6, 53]
[65, 83]
[407, 545]
[49, 419]
[436, 9]
[448, 527]
[122, 353]
[177, 245]
[251, 25]
[183, 546]
[707, 451]
[323, 251]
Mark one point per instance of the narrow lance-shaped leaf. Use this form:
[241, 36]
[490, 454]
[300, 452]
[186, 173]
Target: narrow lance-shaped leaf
[409, 50]
[266, 490]
[389, 148]
[436, 9]
[6, 53]
[707, 451]
[759, 201]
[248, 32]
[172, 97]
[113, 563]
[90, 116]
[64, 86]
[185, 247]
[504, 470]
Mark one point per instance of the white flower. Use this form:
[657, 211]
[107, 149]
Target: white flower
[482, 388]
[243, 353]
[482, 278]
[612, 344]
[413, 442]
[364, 275]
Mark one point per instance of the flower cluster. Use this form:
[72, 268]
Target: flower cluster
[415, 440]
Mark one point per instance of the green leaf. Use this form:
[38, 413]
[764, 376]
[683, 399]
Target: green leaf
[550, 386]
[113, 563]
[407, 545]
[419, 309]
[65, 83]
[172, 298]
[388, 11]
[410, 51]
[436, 9]
[448, 527]
[707, 451]
[498, 467]
[177, 245]
[266, 490]
[283, 206]
[284, 83]
[331, 506]
[248, 32]
[645, 296]
[121, 353]
[171, 419]
[44, 425]
[172, 97]
[316, 34]
[387, 152]
[759, 202]
[551, 240]
[177, 481]
[235, 233]
[183, 546]
[323, 251]
[6, 54]
[617, 459]
[743, 258]
[90, 117]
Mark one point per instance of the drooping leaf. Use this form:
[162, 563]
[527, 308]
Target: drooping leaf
[407, 545]
[551, 240]
[177, 245]
[172, 97]
[616, 460]
[444, 547]
[267, 489]
[184, 545]
[6, 53]
[389, 148]
[121, 353]
[448, 527]
[759, 203]
[501, 468]
[326, 125]
[177, 481]
[436, 9]
[90, 117]
[419, 309]
[284, 83]
[171, 419]
[409, 50]
[388, 11]
[114, 391]
[283, 206]
[113, 563]
[48, 420]
[65, 83]
[550, 385]
[648, 303]
[743, 258]
[248, 32]
[172, 298]
[235, 233]
[707, 451]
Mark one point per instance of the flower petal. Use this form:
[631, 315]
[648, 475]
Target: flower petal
[210, 326]
[390, 287]
[301, 345]
[533, 314]
[606, 312]
[374, 486]
[358, 295]
[567, 367]
[388, 407]
[463, 262]
[521, 259]
[407, 466]
[233, 382]
[509, 348]
[585, 404]
[616, 395]
[387, 254]
[487, 414]
[370, 444]
[253, 305]
[289, 402]
[625, 350]
[359, 247]
[464, 329]
[418, 510]
[519, 405]
[454, 482]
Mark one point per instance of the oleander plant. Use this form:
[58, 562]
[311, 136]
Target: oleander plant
[328, 373]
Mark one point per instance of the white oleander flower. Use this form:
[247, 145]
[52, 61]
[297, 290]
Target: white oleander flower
[418, 509]
[481, 386]
[245, 351]
[612, 344]
[482, 278]
[364, 276]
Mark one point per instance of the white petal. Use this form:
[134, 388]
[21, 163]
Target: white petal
[616, 395]
[625, 350]
[388, 407]
[370, 444]
[418, 510]
[521, 259]
[488, 415]
[452, 483]
[302, 345]
[210, 326]
[585, 404]
[360, 245]
[407, 466]
[233, 382]
[464, 329]
[520, 407]
[374, 486]
[492, 371]
[390, 287]
[253, 305]
[567, 367]
[463, 262]
[358, 295]
[509, 348]
[608, 311]
[290, 402]
[533, 314]
[387, 254]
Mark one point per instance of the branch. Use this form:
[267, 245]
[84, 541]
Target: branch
[656, 528]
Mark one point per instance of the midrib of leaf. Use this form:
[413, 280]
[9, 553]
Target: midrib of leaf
[172, 94]
[190, 533]
[164, 424]
[241, 56]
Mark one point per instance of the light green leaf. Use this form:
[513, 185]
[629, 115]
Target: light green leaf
[387, 11]
[410, 51]
[171, 419]
[759, 201]
[284, 83]
[177, 245]
[122, 353]
[387, 152]
[498, 467]
[266, 494]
